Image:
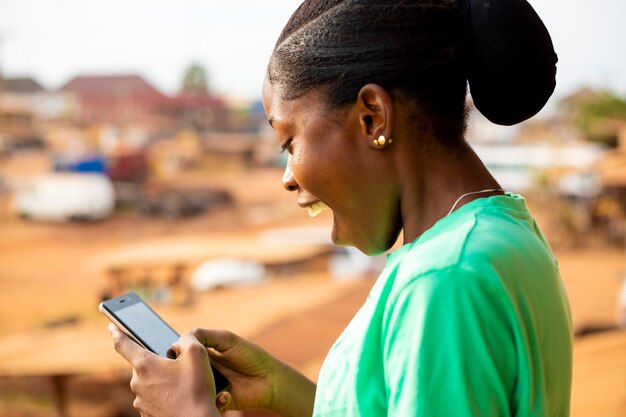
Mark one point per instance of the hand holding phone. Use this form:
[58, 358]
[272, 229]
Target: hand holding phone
[135, 318]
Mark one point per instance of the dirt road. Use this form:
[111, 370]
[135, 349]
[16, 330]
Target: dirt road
[45, 277]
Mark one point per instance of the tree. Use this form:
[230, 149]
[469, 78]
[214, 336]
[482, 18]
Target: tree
[607, 105]
[602, 118]
[195, 80]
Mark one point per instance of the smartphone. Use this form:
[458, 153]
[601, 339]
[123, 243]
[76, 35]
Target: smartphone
[135, 318]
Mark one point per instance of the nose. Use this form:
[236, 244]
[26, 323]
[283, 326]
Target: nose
[289, 181]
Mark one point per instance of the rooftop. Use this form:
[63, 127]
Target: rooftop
[112, 87]
[22, 85]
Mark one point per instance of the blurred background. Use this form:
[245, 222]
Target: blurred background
[135, 155]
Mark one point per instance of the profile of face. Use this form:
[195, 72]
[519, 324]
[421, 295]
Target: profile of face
[332, 160]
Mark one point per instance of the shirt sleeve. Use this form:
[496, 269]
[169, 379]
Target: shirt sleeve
[449, 347]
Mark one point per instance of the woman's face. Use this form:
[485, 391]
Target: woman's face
[331, 160]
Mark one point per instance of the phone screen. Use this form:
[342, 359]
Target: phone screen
[132, 314]
[149, 328]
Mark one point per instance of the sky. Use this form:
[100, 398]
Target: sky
[55, 40]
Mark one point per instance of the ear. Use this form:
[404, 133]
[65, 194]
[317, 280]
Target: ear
[375, 112]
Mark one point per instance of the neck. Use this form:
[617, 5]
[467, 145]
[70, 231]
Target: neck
[430, 188]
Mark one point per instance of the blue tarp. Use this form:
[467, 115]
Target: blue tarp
[92, 164]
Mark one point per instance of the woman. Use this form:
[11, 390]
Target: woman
[469, 317]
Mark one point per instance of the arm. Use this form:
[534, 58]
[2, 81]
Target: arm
[185, 386]
[294, 393]
[449, 348]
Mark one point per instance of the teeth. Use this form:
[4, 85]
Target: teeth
[316, 209]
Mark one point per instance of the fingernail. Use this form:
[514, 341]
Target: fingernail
[223, 398]
[171, 353]
[111, 327]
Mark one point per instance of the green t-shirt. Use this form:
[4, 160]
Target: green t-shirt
[471, 319]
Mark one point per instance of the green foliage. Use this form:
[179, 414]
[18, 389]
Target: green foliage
[606, 106]
[195, 79]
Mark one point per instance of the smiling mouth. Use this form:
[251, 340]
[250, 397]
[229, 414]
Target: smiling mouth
[315, 209]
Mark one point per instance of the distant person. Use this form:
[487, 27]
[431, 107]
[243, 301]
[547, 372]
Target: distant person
[469, 317]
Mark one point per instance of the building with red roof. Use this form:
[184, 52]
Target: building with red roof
[125, 99]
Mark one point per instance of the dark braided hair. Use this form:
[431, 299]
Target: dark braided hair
[423, 51]
[413, 49]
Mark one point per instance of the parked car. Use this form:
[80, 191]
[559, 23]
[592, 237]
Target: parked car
[66, 196]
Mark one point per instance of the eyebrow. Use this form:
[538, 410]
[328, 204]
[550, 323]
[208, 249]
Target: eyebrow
[273, 120]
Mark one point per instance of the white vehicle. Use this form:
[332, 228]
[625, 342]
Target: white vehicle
[66, 196]
[226, 273]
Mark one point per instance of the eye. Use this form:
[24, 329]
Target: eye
[286, 145]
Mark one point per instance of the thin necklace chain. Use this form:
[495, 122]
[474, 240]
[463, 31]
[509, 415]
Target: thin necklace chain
[490, 190]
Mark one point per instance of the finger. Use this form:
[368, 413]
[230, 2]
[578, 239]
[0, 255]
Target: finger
[212, 355]
[188, 344]
[220, 340]
[175, 350]
[223, 401]
[127, 348]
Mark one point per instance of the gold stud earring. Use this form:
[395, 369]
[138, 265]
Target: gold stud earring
[382, 141]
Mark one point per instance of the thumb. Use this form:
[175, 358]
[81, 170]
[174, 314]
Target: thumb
[220, 340]
[187, 344]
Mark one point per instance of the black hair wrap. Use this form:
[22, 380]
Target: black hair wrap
[512, 63]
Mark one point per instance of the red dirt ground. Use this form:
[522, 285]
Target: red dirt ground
[45, 276]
